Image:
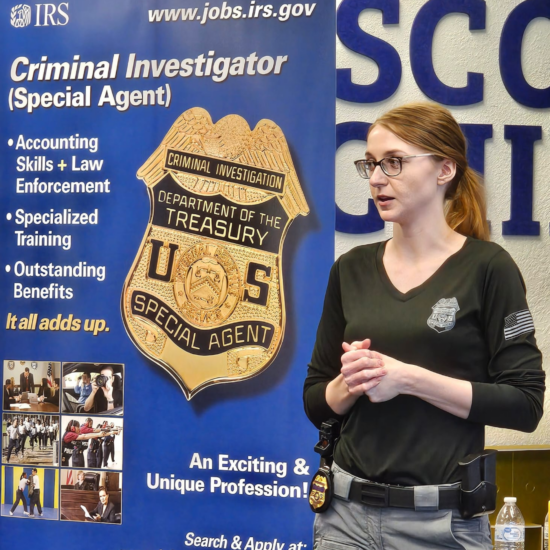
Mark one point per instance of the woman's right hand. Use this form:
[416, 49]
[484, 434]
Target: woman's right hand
[362, 369]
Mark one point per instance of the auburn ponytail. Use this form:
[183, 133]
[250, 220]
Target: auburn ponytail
[466, 210]
[434, 129]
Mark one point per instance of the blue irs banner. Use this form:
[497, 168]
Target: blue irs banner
[167, 228]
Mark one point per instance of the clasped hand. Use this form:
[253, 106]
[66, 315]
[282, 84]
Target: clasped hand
[374, 374]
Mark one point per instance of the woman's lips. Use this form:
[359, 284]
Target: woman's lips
[383, 199]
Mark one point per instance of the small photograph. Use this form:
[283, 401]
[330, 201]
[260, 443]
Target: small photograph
[93, 388]
[91, 496]
[31, 386]
[91, 442]
[31, 439]
[30, 492]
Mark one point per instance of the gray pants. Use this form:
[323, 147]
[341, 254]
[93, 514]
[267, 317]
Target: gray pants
[351, 525]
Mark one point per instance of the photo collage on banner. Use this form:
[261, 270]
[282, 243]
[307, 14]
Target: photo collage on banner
[78, 440]
[167, 226]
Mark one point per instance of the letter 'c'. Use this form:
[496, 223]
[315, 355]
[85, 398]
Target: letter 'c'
[511, 39]
[422, 35]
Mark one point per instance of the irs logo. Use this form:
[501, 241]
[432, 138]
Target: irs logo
[11, 365]
[21, 15]
[204, 298]
[443, 315]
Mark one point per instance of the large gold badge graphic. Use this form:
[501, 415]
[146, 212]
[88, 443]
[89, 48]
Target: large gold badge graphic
[204, 298]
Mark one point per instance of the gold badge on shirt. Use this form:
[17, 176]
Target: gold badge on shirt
[204, 298]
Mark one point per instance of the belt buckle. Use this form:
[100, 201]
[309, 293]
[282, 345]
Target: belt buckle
[373, 494]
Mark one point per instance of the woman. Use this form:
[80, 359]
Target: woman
[38, 429]
[33, 434]
[80, 485]
[46, 431]
[95, 452]
[109, 447]
[44, 390]
[51, 395]
[13, 438]
[72, 444]
[20, 495]
[437, 338]
[51, 431]
[42, 435]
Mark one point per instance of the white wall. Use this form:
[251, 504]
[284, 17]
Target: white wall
[457, 51]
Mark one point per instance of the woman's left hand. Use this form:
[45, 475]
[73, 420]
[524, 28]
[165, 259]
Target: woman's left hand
[451, 395]
[395, 382]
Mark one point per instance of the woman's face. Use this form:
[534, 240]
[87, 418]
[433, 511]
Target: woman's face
[417, 192]
[80, 478]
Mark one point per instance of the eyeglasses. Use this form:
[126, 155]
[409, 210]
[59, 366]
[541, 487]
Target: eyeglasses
[391, 166]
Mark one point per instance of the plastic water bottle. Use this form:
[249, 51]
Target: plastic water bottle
[510, 527]
[545, 536]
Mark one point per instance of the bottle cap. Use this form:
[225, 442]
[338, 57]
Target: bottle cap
[510, 500]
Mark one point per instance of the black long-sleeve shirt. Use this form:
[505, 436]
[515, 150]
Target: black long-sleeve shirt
[469, 320]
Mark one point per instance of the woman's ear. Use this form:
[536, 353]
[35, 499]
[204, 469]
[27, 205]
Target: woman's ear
[447, 172]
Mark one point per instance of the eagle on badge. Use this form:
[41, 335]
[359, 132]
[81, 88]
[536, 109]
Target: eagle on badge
[204, 298]
[443, 317]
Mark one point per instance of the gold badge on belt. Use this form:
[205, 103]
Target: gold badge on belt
[204, 298]
[321, 490]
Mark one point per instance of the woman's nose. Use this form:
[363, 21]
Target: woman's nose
[378, 177]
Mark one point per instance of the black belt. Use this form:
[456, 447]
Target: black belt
[377, 494]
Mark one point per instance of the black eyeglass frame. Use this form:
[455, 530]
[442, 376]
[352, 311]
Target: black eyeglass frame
[361, 167]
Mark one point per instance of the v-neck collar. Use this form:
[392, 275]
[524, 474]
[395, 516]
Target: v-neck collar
[405, 296]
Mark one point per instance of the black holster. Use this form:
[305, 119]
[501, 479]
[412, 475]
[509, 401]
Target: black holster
[328, 436]
[321, 487]
[478, 490]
